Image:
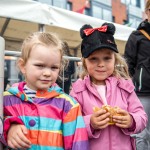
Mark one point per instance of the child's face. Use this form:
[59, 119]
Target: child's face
[148, 14]
[42, 67]
[100, 65]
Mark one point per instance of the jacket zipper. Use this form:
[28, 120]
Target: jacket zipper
[140, 79]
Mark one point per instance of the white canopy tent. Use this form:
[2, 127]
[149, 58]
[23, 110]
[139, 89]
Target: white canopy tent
[18, 18]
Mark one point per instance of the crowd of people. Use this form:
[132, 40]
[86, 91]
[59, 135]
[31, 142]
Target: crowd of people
[107, 107]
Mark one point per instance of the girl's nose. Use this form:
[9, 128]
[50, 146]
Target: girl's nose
[100, 64]
[47, 72]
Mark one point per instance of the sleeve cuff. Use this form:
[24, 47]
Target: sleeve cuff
[92, 133]
[132, 129]
[8, 122]
[133, 125]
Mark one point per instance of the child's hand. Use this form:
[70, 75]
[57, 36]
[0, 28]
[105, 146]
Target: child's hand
[124, 121]
[16, 137]
[100, 119]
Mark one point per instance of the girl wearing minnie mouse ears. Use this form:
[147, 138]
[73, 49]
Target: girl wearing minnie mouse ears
[105, 81]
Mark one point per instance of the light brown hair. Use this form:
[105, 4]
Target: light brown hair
[120, 68]
[41, 38]
[147, 5]
[45, 39]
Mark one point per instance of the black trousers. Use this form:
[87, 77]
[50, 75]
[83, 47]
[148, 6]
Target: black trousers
[143, 138]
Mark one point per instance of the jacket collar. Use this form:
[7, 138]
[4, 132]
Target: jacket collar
[17, 90]
[127, 85]
[124, 84]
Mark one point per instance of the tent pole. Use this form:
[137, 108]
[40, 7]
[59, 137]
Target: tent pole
[2, 47]
[41, 27]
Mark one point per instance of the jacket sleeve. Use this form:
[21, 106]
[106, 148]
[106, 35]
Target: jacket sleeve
[74, 131]
[131, 50]
[91, 132]
[136, 110]
[9, 118]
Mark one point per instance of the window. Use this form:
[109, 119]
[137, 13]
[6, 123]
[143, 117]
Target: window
[102, 13]
[127, 2]
[59, 3]
[123, 1]
[134, 22]
[136, 3]
[133, 2]
[107, 15]
[113, 19]
[97, 12]
[143, 5]
[125, 22]
[49, 2]
[87, 11]
[69, 6]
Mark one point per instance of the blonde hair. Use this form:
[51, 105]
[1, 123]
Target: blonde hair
[41, 38]
[147, 5]
[120, 68]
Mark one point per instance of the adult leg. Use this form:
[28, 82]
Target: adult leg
[143, 138]
[67, 86]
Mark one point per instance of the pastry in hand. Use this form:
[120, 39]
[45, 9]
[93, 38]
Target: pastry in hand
[111, 110]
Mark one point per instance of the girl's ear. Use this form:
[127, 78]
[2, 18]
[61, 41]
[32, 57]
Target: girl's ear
[21, 65]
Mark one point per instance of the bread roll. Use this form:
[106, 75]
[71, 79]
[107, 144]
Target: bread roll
[111, 110]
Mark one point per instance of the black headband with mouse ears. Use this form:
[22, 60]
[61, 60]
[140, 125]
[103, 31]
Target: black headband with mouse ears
[97, 38]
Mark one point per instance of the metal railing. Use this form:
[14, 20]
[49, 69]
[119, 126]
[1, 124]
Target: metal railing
[2, 46]
[17, 54]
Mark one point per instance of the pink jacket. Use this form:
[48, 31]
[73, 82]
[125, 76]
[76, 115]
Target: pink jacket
[120, 92]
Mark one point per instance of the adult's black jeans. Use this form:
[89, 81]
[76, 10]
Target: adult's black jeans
[143, 138]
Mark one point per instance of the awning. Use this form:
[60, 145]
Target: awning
[18, 18]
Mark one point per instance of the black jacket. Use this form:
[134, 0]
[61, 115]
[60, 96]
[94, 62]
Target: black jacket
[137, 53]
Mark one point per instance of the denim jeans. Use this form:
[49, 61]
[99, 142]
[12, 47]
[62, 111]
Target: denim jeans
[143, 138]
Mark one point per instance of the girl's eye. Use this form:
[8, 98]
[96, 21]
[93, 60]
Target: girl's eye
[55, 68]
[107, 58]
[39, 65]
[93, 58]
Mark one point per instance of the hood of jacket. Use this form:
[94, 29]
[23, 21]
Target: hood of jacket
[17, 90]
[145, 25]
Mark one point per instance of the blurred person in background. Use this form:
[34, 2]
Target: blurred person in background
[79, 69]
[6, 81]
[137, 53]
[68, 71]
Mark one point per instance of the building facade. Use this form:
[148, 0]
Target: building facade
[125, 12]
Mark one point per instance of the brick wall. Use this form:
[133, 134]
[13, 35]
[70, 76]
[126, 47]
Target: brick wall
[119, 11]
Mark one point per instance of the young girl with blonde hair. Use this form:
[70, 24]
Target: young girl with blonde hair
[111, 109]
[38, 114]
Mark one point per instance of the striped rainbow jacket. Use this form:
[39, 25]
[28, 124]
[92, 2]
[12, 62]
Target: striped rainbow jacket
[53, 118]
